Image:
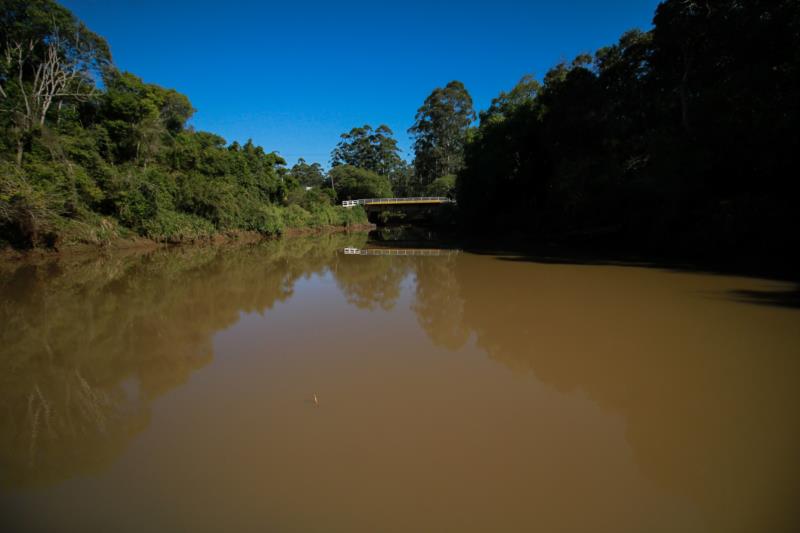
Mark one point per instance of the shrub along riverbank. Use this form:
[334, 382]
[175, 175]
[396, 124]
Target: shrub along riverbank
[90, 155]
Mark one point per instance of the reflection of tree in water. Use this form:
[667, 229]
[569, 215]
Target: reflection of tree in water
[710, 413]
[371, 282]
[86, 345]
[439, 305]
[706, 419]
[374, 282]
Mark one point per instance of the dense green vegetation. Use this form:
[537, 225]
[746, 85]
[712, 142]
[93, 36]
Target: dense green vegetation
[440, 134]
[89, 153]
[355, 182]
[375, 151]
[681, 139]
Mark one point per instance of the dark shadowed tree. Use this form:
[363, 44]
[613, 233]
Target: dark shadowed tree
[404, 180]
[506, 103]
[684, 138]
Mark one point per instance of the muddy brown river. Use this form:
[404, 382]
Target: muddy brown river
[331, 384]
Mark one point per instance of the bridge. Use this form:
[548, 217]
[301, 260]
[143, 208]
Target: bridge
[416, 210]
[398, 201]
[400, 251]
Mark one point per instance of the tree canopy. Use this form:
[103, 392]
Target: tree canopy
[352, 183]
[38, 21]
[308, 175]
[440, 132]
[371, 149]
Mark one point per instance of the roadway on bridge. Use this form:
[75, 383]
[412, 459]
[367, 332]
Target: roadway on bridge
[399, 201]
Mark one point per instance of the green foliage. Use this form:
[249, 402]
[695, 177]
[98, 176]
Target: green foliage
[170, 226]
[353, 183]
[404, 181]
[140, 117]
[295, 216]
[374, 150]
[308, 175]
[444, 186]
[123, 161]
[350, 217]
[35, 20]
[310, 199]
[507, 103]
[440, 132]
[28, 214]
[685, 136]
[263, 218]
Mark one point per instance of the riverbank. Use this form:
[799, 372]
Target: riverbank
[138, 243]
[517, 246]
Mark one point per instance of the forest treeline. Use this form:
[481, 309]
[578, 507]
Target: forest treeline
[683, 139]
[678, 139]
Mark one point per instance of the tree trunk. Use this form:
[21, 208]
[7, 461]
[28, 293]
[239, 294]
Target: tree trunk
[20, 148]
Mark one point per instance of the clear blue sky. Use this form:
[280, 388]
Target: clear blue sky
[294, 75]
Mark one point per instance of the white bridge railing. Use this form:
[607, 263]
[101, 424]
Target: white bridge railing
[399, 251]
[411, 200]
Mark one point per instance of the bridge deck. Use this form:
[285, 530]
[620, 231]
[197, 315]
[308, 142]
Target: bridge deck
[399, 251]
[398, 201]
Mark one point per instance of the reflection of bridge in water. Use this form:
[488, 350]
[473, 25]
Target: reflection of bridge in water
[399, 251]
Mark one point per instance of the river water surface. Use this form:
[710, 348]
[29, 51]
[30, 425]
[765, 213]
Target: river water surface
[292, 387]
